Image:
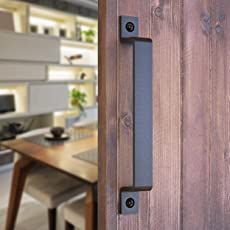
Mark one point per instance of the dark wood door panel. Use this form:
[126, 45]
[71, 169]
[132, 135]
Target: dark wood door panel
[197, 63]
[191, 187]
[166, 35]
[161, 22]
[206, 187]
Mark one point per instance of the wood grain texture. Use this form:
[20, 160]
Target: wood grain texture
[191, 124]
[206, 115]
[107, 140]
[166, 35]
[223, 61]
[116, 121]
[89, 210]
[219, 192]
[196, 119]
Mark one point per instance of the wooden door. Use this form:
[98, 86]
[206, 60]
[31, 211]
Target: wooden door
[191, 79]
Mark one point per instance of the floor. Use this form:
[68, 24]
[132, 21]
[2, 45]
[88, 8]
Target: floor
[32, 215]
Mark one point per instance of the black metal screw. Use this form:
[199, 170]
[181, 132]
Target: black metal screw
[130, 27]
[130, 202]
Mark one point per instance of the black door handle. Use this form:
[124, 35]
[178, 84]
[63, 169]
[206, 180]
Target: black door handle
[142, 114]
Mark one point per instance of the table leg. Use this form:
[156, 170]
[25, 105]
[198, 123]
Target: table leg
[91, 210]
[21, 170]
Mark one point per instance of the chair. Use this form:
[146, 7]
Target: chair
[49, 186]
[80, 214]
[74, 215]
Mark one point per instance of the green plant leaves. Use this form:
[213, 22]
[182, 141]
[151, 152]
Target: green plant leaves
[78, 99]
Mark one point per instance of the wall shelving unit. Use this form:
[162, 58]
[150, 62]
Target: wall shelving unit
[35, 62]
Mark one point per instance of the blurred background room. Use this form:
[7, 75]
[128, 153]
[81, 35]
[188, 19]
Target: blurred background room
[48, 89]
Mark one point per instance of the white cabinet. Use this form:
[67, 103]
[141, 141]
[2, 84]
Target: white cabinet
[48, 98]
[24, 47]
[10, 71]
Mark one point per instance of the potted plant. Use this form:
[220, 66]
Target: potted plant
[89, 35]
[78, 99]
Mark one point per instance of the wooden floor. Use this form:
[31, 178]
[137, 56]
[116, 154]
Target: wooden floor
[32, 215]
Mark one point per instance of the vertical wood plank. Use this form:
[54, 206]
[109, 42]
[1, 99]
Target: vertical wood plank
[166, 35]
[125, 113]
[219, 118]
[107, 185]
[225, 34]
[217, 134]
[206, 115]
[196, 119]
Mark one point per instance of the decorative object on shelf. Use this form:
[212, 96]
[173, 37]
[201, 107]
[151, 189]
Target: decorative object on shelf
[78, 33]
[7, 103]
[83, 76]
[89, 35]
[11, 130]
[78, 99]
[33, 29]
[6, 21]
[72, 58]
[48, 31]
[16, 128]
[62, 33]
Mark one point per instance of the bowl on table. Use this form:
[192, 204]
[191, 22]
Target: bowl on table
[57, 132]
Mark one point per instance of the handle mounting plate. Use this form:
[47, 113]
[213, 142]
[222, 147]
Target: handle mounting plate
[129, 202]
[129, 27]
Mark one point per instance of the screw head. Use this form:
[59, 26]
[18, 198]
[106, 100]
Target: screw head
[130, 27]
[130, 202]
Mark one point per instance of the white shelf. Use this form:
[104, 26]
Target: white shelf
[74, 66]
[75, 43]
[15, 115]
[73, 81]
[34, 68]
[12, 115]
[27, 48]
[71, 73]
[85, 107]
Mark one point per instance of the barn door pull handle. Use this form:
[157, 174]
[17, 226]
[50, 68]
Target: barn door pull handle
[142, 114]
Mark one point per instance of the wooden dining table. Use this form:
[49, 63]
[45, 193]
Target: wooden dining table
[62, 157]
